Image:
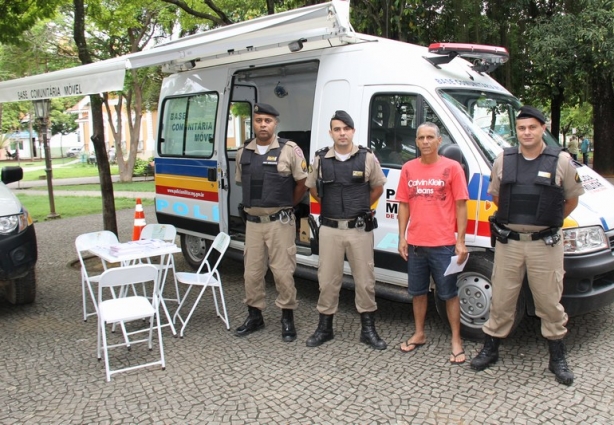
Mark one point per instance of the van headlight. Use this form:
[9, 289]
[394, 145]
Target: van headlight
[580, 240]
[9, 223]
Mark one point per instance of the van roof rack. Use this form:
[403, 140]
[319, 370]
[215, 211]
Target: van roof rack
[485, 58]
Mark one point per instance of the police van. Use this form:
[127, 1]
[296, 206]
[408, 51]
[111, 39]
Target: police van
[308, 63]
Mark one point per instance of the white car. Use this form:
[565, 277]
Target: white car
[74, 151]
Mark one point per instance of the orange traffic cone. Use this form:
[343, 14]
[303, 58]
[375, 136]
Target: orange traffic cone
[139, 220]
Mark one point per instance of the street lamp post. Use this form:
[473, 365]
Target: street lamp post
[41, 108]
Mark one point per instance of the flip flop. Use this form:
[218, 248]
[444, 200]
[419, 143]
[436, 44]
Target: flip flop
[454, 361]
[408, 344]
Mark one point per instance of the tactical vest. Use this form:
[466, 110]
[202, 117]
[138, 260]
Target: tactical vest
[529, 193]
[346, 193]
[262, 184]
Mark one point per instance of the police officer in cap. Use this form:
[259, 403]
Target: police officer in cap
[346, 180]
[272, 172]
[534, 187]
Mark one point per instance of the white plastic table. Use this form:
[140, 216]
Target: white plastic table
[129, 252]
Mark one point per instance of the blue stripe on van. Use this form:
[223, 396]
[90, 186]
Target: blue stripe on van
[191, 167]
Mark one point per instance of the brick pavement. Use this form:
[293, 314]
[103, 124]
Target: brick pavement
[50, 374]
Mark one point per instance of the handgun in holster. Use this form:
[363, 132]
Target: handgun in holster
[242, 213]
[370, 221]
[497, 232]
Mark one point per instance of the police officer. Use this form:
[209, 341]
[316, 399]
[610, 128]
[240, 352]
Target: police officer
[346, 180]
[534, 187]
[272, 173]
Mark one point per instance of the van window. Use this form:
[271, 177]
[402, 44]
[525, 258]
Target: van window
[188, 125]
[239, 128]
[394, 119]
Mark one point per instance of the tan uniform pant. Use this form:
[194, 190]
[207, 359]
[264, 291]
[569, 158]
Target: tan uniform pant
[270, 245]
[358, 246]
[543, 265]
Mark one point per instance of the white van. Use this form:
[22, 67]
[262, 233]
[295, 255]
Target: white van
[18, 249]
[307, 64]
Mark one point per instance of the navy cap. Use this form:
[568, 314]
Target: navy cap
[530, 112]
[263, 108]
[344, 117]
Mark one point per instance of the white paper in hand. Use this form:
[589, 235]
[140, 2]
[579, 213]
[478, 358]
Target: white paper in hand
[455, 268]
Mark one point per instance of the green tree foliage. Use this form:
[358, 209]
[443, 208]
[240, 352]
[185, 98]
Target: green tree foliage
[19, 16]
[573, 58]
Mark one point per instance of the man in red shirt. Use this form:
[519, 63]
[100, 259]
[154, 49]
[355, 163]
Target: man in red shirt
[432, 195]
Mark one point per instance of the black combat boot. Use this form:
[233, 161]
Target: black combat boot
[253, 323]
[558, 364]
[368, 334]
[288, 332]
[488, 355]
[323, 333]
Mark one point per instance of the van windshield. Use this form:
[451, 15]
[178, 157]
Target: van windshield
[488, 118]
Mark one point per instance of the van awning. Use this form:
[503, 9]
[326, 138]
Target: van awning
[98, 77]
[307, 28]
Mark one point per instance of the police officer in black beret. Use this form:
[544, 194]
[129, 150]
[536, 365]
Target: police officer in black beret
[346, 180]
[535, 187]
[272, 172]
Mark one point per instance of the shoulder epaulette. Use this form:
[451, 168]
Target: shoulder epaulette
[364, 148]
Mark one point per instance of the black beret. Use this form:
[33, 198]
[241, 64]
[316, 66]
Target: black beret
[530, 112]
[263, 108]
[344, 117]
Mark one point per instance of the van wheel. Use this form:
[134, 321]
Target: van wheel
[22, 290]
[475, 296]
[193, 249]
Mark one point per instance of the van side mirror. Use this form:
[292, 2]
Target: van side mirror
[454, 152]
[11, 174]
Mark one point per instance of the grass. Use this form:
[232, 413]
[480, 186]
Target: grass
[66, 172]
[140, 186]
[71, 206]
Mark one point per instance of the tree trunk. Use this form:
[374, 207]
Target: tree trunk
[106, 184]
[102, 160]
[556, 102]
[603, 124]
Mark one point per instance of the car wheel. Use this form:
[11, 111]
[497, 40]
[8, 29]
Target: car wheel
[475, 297]
[193, 249]
[22, 290]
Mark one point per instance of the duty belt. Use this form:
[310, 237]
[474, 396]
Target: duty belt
[287, 213]
[517, 236]
[338, 224]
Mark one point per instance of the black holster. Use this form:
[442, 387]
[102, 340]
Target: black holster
[497, 232]
[370, 221]
[242, 213]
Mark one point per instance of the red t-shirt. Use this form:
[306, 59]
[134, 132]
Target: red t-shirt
[431, 190]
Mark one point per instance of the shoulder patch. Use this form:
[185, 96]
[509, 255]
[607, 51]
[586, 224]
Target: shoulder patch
[299, 152]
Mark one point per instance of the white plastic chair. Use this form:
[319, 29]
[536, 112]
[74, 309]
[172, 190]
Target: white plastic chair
[83, 243]
[126, 309]
[167, 233]
[209, 278]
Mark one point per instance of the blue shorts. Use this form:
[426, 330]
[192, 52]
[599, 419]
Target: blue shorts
[424, 262]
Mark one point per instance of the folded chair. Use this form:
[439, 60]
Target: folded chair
[167, 233]
[129, 309]
[88, 278]
[205, 277]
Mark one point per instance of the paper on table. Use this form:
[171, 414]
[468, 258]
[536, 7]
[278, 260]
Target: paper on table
[455, 268]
